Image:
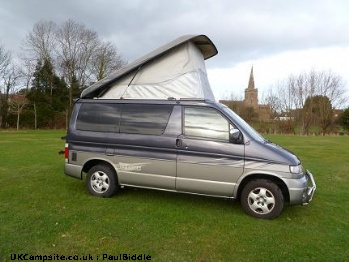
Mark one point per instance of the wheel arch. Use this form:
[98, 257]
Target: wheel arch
[278, 181]
[93, 162]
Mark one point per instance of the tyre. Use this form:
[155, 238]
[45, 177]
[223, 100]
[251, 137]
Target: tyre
[262, 199]
[101, 181]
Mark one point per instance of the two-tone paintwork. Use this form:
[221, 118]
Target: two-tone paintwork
[174, 162]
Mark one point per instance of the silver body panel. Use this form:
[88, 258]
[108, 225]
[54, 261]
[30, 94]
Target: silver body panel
[195, 178]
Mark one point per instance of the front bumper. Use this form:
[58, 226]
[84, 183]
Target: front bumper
[310, 190]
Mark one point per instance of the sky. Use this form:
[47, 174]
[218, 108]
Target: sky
[277, 37]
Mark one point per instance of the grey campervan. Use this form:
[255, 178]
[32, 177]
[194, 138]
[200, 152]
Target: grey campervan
[192, 145]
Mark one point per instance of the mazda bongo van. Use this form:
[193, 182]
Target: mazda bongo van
[155, 124]
[191, 146]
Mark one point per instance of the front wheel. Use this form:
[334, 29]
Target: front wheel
[101, 181]
[262, 199]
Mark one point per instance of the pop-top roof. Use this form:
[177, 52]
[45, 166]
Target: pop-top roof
[201, 42]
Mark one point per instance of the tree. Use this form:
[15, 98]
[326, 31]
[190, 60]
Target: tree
[76, 53]
[5, 60]
[291, 95]
[18, 102]
[326, 91]
[344, 119]
[249, 114]
[75, 47]
[105, 60]
[274, 103]
[8, 79]
[39, 44]
[318, 110]
[9, 83]
[47, 96]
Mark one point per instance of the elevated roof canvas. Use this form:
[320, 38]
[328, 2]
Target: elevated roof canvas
[181, 61]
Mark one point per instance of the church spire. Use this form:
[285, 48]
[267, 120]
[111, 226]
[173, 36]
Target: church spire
[251, 93]
[251, 81]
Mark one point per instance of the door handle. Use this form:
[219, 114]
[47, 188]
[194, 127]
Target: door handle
[180, 144]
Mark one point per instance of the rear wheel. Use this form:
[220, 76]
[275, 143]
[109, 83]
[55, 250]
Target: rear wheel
[101, 181]
[262, 199]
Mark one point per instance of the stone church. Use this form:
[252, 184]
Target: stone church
[249, 108]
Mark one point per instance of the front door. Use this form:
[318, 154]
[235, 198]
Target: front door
[207, 163]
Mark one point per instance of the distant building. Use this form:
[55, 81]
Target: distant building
[249, 108]
[337, 112]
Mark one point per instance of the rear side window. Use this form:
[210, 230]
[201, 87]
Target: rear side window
[206, 123]
[145, 119]
[99, 117]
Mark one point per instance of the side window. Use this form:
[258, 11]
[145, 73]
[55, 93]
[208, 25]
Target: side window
[145, 119]
[206, 123]
[98, 117]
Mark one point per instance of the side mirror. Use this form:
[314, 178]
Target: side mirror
[234, 135]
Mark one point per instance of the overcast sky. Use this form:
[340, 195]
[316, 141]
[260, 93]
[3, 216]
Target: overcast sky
[277, 37]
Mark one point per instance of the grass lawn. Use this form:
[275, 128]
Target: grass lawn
[44, 212]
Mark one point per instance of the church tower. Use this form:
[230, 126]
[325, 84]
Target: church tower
[251, 93]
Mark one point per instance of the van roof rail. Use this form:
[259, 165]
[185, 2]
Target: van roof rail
[192, 99]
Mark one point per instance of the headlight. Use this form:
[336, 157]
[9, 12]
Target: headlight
[296, 169]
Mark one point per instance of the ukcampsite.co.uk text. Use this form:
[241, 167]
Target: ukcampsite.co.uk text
[104, 257]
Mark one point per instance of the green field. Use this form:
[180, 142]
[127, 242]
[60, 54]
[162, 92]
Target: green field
[43, 212]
